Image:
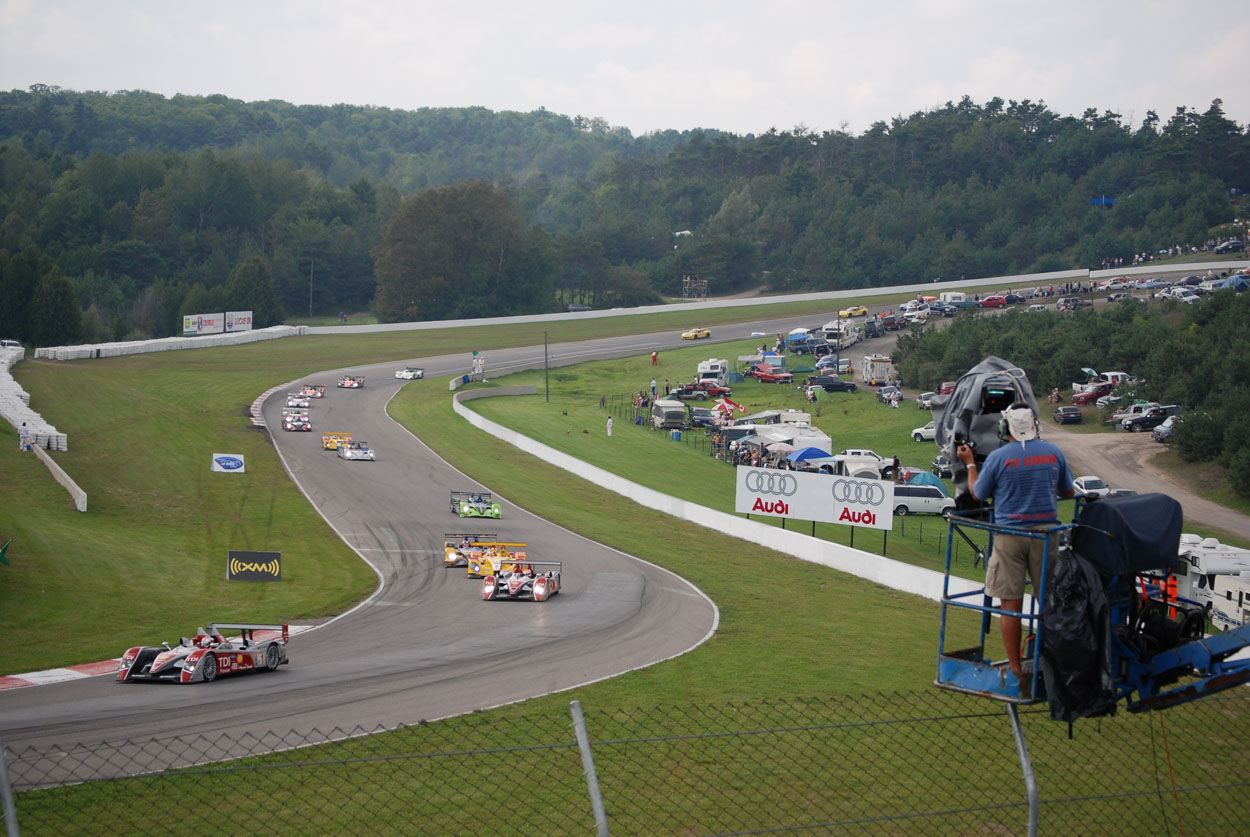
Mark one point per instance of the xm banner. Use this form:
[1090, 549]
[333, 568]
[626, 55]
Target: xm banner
[253, 566]
[803, 495]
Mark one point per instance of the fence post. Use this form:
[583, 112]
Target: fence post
[588, 768]
[6, 797]
[1026, 767]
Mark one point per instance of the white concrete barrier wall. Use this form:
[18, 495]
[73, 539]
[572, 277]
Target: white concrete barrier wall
[885, 571]
[166, 344]
[58, 473]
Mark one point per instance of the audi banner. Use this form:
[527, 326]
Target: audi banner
[802, 495]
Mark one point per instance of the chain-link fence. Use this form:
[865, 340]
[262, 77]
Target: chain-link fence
[930, 762]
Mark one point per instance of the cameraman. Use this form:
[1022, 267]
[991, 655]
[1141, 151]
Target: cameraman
[1024, 482]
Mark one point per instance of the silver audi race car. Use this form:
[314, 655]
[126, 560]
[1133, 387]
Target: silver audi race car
[524, 581]
[411, 373]
[202, 658]
[356, 450]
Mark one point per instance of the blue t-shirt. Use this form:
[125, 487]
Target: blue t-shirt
[1024, 482]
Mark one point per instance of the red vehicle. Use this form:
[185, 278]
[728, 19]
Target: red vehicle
[766, 374]
[1092, 394]
[993, 301]
[947, 387]
[712, 388]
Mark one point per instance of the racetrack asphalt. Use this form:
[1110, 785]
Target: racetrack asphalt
[424, 645]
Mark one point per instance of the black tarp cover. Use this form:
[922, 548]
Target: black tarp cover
[1128, 535]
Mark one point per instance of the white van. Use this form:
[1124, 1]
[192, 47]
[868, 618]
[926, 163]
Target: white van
[921, 499]
[667, 414]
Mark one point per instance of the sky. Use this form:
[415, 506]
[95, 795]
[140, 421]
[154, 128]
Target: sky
[742, 67]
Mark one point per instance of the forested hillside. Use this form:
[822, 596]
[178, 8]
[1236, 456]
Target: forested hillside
[148, 207]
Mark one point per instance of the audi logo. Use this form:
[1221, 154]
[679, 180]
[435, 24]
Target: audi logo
[867, 493]
[766, 483]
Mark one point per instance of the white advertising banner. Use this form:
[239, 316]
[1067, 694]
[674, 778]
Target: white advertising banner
[228, 463]
[803, 495]
[238, 321]
[203, 324]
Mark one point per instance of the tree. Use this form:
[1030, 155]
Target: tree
[250, 288]
[462, 251]
[55, 318]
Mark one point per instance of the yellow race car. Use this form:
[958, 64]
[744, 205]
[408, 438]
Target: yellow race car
[696, 333]
[458, 546]
[854, 311]
[495, 558]
[332, 440]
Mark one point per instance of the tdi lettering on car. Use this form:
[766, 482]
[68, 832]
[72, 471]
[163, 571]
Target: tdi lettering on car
[802, 495]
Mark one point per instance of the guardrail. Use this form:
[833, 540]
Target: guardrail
[886, 571]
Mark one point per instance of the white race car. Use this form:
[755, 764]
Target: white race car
[295, 399]
[410, 373]
[356, 450]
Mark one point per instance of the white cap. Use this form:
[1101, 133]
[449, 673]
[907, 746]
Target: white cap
[1021, 423]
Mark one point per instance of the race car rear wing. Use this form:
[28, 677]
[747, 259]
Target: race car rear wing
[249, 629]
[478, 538]
[466, 495]
[504, 544]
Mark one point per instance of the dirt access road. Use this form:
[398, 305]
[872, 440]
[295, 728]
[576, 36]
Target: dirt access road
[1122, 460]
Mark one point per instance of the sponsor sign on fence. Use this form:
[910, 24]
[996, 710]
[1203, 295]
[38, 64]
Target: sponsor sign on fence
[228, 463]
[809, 496]
[253, 566]
[238, 321]
[203, 324]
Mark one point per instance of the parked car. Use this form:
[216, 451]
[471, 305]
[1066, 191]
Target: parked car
[830, 383]
[921, 499]
[702, 417]
[1013, 299]
[768, 374]
[1090, 484]
[890, 322]
[886, 394]
[1230, 246]
[1152, 283]
[924, 401]
[1163, 433]
[1067, 415]
[946, 388]
[1071, 303]
[1148, 420]
[946, 309]
[1092, 394]
[1187, 295]
[993, 301]
[941, 467]
[924, 434]
[1120, 296]
[1037, 306]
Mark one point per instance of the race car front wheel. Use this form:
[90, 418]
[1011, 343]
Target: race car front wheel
[209, 667]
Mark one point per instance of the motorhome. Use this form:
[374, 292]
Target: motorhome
[1210, 572]
[714, 370]
[878, 370]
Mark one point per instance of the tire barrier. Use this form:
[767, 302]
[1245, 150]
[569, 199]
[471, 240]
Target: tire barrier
[15, 406]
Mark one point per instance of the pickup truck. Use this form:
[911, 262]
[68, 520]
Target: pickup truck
[1150, 419]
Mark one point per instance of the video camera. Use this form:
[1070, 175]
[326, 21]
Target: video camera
[972, 414]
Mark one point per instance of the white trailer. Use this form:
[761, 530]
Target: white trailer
[878, 370]
[715, 370]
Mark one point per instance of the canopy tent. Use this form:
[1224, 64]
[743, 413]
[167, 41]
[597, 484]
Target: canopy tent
[804, 454]
[915, 476]
[779, 447]
[797, 331]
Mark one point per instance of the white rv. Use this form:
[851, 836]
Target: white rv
[1210, 572]
[714, 370]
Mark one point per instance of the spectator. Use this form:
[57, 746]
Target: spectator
[609, 427]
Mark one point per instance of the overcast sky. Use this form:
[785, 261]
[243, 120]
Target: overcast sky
[737, 66]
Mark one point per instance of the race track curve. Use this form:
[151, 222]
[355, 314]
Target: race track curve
[425, 645]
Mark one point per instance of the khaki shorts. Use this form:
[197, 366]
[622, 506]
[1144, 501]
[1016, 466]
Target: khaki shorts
[1013, 556]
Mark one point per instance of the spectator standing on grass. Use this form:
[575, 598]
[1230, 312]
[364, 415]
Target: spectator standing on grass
[653, 389]
[609, 427]
[23, 437]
